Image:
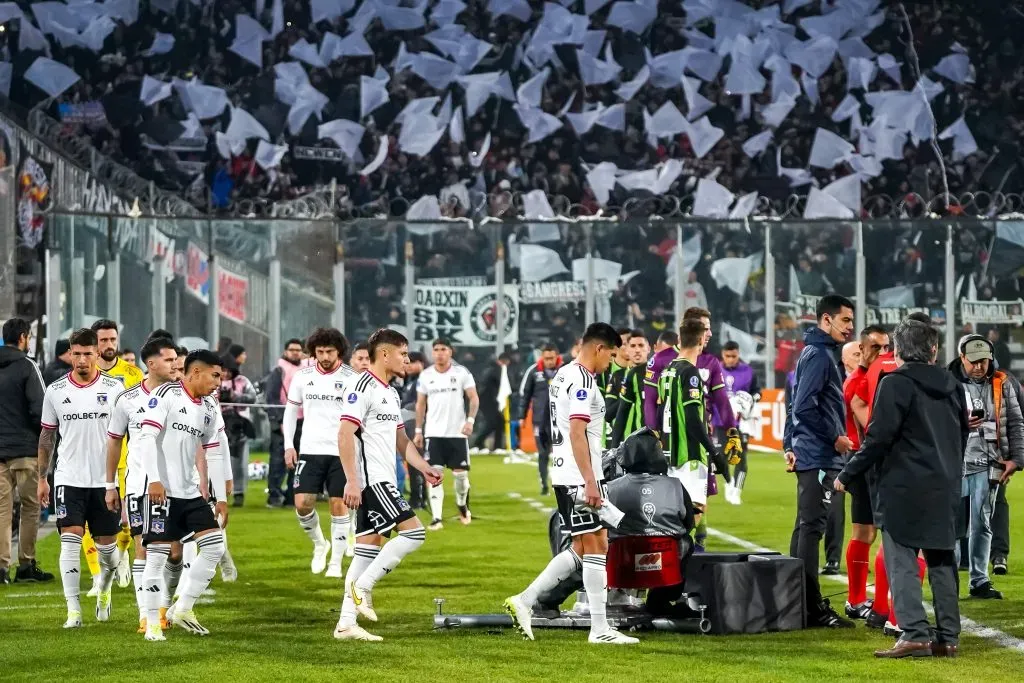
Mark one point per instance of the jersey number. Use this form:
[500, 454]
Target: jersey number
[556, 435]
[298, 468]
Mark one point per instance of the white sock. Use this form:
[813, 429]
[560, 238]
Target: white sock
[138, 567]
[70, 569]
[461, 488]
[437, 501]
[390, 555]
[172, 575]
[339, 538]
[109, 557]
[311, 525]
[188, 556]
[559, 569]
[364, 556]
[153, 580]
[595, 581]
[211, 549]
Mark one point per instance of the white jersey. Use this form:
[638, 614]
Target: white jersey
[126, 420]
[174, 426]
[574, 395]
[319, 395]
[446, 400]
[375, 408]
[218, 463]
[79, 413]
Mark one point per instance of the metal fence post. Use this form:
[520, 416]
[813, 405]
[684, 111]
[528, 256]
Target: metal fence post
[113, 273]
[591, 286]
[213, 306]
[159, 295]
[860, 291]
[410, 292]
[274, 323]
[950, 341]
[769, 308]
[91, 261]
[499, 286]
[680, 279]
[54, 324]
[339, 276]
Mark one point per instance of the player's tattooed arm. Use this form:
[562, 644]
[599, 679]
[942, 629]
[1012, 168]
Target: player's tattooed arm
[47, 439]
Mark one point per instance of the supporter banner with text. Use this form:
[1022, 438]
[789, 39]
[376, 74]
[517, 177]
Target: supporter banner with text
[34, 198]
[769, 420]
[234, 288]
[992, 312]
[467, 316]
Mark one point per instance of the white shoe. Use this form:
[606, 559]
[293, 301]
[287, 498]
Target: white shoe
[154, 633]
[355, 632]
[124, 570]
[363, 602]
[436, 525]
[228, 571]
[334, 571]
[320, 554]
[187, 620]
[611, 637]
[103, 606]
[737, 496]
[168, 616]
[95, 590]
[209, 592]
[522, 616]
[74, 620]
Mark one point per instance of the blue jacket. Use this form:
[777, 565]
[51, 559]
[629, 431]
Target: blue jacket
[817, 415]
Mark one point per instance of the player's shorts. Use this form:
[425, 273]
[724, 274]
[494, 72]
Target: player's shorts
[314, 471]
[577, 519]
[178, 519]
[694, 476]
[135, 512]
[861, 508]
[76, 506]
[452, 453]
[382, 510]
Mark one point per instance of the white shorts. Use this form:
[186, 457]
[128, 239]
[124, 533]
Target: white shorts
[694, 476]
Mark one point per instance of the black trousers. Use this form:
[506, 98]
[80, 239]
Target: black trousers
[834, 550]
[489, 423]
[814, 494]
[280, 479]
[1001, 525]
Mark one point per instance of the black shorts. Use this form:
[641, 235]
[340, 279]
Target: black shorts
[577, 522]
[861, 507]
[382, 510]
[448, 452]
[178, 519]
[135, 510]
[313, 472]
[76, 506]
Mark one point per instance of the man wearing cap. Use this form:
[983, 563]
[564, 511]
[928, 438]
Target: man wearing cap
[61, 363]
[995, 449]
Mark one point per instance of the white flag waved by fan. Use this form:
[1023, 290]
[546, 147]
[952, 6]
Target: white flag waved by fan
[51, 77]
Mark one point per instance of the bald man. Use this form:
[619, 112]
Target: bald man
[852, 355]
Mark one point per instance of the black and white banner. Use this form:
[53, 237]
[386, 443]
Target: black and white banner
[467, 316]
[992, 312]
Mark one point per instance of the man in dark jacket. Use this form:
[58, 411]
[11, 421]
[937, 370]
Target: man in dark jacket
[815, 441]
[61, 363]
[534, 391]
[21, 387]
[915, 445]
[490, 420]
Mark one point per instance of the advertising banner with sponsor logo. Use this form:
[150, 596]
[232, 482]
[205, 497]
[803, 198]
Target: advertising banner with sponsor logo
[234, 288]
[468, 316]
[768, 420]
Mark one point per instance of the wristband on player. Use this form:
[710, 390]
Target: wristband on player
[110, 486]
[419, 430]
[471, 420]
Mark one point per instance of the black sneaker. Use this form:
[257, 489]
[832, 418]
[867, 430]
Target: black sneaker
[5, 578]
[892, 630]
[876, 620]
[239, 501]
[831, 569]
[544, 490]
[31, 573]
[986, 591]
[860, 611]
[999, 566]
[827, 618]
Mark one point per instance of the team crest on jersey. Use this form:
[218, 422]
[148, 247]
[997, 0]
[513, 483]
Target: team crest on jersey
[705, 374]
[338, 386]
[729, 381]
[694, 382]
[352, 398]
[206, 419]
[101, 399]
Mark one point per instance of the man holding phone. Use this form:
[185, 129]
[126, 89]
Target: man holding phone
[995, 450]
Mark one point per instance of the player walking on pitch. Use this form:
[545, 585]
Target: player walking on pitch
[442, 392]
[577, 413]
[372, 417]
[179, 419]
[77, 407]
[318, 391]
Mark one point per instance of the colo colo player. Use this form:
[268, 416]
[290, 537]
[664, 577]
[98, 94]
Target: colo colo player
[371, 422]
[180, 420]
[77, 407]
[577, 413]
[441, 395]
[159, 356]
[744, 391]
[318, 391]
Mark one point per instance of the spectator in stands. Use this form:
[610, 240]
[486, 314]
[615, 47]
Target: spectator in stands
[20, 412]
[236, 388]
[61, 363]
[128, 356]
[1000, 350]
[276, 392]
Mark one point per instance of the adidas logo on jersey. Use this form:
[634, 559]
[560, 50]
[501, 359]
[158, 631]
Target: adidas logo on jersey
[183, 411]
[67, 401]
[140, 411]
[310, 383]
